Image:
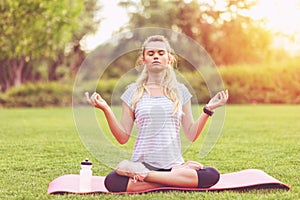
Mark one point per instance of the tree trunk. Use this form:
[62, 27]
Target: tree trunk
[52, 76]
[4, 78]
[78, 57]
[5, 84]
[52, 71]
[16, 67]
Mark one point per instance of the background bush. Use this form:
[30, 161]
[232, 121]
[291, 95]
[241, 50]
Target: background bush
[38, 95]
[263, 84]
[247, 84]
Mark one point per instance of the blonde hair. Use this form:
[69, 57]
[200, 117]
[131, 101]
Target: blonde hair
[169, 81]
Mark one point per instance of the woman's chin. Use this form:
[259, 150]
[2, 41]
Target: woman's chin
[156, 67]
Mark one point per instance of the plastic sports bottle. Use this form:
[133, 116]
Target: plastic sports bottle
[86, 176]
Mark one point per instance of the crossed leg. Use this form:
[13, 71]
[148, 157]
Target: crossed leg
[178, 177]
[181, 177]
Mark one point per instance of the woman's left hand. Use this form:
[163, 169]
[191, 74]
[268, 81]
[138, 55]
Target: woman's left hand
[218, 100]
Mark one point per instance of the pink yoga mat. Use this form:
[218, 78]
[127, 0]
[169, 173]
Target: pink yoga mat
[242, 180]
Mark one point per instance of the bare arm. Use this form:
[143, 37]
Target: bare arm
[121, 130]
[193, 129]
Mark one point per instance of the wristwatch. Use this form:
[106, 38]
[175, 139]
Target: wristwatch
[207, 111]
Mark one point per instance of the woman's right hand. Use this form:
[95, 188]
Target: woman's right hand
[96, 100]
[218, 100]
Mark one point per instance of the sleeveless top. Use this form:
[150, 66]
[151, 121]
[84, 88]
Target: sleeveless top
[158, 131]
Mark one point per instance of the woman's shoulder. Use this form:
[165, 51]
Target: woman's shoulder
[181, 87]
[128, 93]
[131, 88]
[184, 92]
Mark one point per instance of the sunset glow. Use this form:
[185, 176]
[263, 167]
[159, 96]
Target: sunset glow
[282, 17]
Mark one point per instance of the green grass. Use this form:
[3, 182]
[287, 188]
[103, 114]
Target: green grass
[38, 145]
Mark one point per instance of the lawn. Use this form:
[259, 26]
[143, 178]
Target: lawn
[40, 144]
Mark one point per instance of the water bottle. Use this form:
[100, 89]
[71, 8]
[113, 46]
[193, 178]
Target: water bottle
[86, 176]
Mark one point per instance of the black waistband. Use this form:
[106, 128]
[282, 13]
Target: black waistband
[150, 167]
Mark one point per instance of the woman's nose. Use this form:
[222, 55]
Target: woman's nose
[155, 55]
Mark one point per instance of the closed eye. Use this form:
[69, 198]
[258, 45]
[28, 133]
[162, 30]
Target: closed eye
[150, 53]
[160, 52]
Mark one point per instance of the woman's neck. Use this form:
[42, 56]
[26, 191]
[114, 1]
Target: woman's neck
[155, 78]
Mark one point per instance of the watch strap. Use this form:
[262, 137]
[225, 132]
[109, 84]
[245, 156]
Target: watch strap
[207, 111]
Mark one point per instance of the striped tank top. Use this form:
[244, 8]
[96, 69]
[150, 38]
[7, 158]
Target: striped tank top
[158, 131]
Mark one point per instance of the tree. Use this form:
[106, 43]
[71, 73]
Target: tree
[33, 28]
[231, 36]
[88, 24]
[151, 13]
[220, 27]
[240, 43]
[71, 55]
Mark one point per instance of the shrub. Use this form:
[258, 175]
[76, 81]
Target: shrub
[38, 95]
[246, 84]
[263, 84]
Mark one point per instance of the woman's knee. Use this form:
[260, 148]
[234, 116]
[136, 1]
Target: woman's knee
[116, 183]
[207, 177]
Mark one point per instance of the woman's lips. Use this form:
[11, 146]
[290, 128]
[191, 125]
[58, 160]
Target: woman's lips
[156, 63]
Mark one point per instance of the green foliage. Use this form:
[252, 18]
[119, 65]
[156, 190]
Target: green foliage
[38, 95]
[37, 33]
[149, 13]
[225, 33]
[236, 42]
[32, 28]
[276, 83]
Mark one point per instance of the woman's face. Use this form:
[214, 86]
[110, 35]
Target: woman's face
[156, 56]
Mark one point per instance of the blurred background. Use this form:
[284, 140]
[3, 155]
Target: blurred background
[255, 45]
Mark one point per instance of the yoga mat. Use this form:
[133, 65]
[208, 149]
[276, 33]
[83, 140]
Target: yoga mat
[242, 180]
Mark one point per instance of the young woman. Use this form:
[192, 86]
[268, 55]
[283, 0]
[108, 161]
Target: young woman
[159, 105]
